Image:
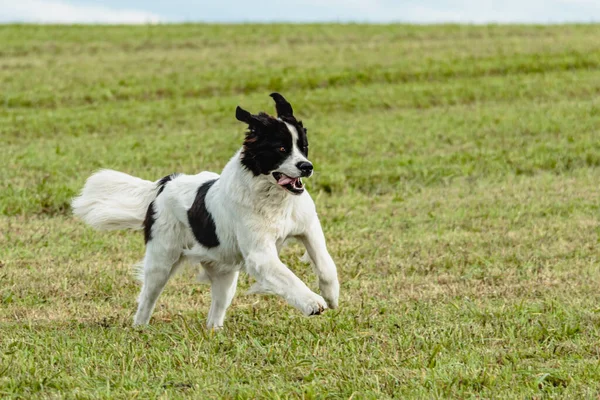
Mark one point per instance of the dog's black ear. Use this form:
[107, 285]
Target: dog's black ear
[284, 109]
[243, 115]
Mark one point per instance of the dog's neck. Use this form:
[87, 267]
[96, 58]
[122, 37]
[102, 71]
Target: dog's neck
[252, 191]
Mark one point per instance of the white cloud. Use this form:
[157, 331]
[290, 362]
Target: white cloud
[62, 12]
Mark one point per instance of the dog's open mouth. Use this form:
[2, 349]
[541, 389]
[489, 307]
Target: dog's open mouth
[292, 185]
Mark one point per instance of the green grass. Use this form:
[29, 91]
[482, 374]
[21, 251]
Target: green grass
[458, 183]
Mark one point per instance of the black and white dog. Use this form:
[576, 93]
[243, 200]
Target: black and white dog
[236, 221]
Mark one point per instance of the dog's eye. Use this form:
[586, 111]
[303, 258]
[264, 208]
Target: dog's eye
[282, 149]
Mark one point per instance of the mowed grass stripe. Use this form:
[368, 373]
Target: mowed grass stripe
[112, 117]
[189, 82]
[25, 40]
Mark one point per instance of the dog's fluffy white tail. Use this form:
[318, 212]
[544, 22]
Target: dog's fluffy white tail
[113, 200]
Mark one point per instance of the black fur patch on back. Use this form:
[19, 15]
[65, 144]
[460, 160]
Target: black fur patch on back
[201, 222]
[149, 220]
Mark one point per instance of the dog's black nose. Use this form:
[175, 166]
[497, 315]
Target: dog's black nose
[305, 167]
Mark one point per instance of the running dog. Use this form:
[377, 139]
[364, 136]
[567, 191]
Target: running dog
[238, 220]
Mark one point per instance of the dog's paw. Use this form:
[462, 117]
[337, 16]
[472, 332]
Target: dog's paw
[214, 326]
[313, 305]
[332, 302]
[331, 293]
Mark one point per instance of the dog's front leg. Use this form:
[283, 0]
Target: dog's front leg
[314, 241]
[274, 277]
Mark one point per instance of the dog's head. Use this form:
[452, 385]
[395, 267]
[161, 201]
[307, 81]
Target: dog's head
[276, 147]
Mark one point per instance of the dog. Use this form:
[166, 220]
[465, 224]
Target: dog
[235, 221]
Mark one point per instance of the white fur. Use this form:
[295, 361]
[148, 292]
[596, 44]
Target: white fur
[253, 217]
[113, 200]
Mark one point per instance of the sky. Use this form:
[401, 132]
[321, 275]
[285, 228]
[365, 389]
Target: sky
[239, 11]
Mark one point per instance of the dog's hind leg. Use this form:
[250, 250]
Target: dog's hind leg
[223, 287]
[158, 267]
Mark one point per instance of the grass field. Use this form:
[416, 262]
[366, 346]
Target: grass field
[458, 183]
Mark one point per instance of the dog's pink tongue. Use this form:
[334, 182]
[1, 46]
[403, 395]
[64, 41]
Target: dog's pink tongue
[284, 180]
